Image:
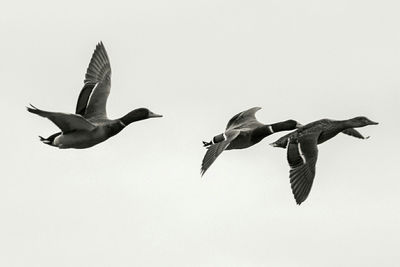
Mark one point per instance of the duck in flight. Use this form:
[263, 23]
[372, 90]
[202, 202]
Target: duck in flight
[243, 131]
[90, 125]
[302, 149]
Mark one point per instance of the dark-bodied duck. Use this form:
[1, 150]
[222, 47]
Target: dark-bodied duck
[242, 131]
[302, 150]
[90, 125]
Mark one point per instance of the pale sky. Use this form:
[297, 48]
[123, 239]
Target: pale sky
[138, 198]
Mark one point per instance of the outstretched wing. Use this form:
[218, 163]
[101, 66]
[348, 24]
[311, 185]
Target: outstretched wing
[302, 157]
[66, 122]
[83, 98]
[215, 150]
[243, 119]
[353, 132]
[93, 97]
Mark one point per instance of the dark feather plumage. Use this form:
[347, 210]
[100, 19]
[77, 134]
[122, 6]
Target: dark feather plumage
[242, 131]
[90, 124]
[302, 151]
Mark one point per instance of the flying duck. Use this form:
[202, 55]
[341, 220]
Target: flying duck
[302, 150]
[243, 131]
[90, 125]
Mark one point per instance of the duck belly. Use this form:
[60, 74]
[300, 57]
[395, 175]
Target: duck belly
[79, 139]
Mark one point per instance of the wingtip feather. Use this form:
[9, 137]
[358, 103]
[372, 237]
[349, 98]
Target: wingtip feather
[32, 109]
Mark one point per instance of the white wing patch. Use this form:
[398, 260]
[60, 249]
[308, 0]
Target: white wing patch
[301, 153]
[90, 96]
[270, 129]
[288, 143]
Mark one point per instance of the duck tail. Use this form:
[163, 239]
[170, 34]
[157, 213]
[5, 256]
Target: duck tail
[216, 139]
[49, 140]
[280, 143]
[206, 144]
[283, 141]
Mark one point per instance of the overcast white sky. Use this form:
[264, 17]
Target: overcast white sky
[138, 199]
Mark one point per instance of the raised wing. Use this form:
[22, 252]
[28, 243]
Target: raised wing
[213, 151]
[302, 157]
[353, 132]
[66, 122]
[93, 97]
[83, 98]
[243, 119]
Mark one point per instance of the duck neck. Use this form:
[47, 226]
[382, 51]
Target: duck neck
[261, 132]
[335, 129]
[135, 115]
[283, 126]
[115, 128]
[266, 130]
[345, 124]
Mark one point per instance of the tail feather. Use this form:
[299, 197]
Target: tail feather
[45, 140]
[283, 141]
[49, 140]
[280, 143]
[206, 144]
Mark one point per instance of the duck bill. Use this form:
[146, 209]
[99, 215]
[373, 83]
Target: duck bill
[373, 123]
[299, 125]
[154, 115]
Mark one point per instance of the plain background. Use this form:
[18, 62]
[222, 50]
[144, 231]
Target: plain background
[138, 199]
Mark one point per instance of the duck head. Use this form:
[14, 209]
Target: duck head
[138, 115]
[361, 121]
